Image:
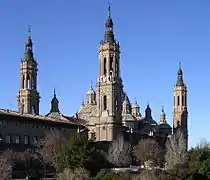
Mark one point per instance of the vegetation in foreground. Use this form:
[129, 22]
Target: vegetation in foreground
[78, 158]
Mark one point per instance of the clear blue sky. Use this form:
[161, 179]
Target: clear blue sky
[154, 37]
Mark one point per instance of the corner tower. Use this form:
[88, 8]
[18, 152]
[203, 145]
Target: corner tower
[180, 113]
[109, 86]
[28, 96]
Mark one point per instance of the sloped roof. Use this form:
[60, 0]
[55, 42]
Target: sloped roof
[31, 117]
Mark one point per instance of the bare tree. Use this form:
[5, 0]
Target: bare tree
[148, 150]
[203, 144]
[119, 152]
[6, 164]
[176, 152]
[77, 174]
[49, 148]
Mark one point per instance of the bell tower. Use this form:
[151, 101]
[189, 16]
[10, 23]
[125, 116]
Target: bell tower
[180, 113]
[109, 86]
[28, 96]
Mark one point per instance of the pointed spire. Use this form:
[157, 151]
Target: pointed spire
[162, 110]
[135, 101]
[91, 90]
[29, 31]
[109, 35]
[28, 55]
[91, 84]
[29, 43]
[180, 81]
[148, 104]
[162, 115]
[83, 102]
[148, 111]
[109, 8]
[54, 93]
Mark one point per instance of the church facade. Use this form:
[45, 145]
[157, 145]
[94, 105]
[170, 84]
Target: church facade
[108, 110]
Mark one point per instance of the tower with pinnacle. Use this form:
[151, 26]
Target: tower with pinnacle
[180, 113]
[28, 96]
[109, 86]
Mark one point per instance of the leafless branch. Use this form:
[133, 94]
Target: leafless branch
[176, 152]
[49, 148]
[6, 164]
[119, 152]
[148, 150]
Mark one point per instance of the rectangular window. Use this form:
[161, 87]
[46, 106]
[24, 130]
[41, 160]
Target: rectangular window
[17, 139]
[8, 139]
[26, 139]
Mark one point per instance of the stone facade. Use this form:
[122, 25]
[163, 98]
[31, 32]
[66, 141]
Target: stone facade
[108, 110]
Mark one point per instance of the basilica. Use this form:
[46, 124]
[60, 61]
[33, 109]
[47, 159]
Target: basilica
[105, 113]
[108, 110]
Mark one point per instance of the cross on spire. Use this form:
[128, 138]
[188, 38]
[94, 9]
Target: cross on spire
[29, 31]
[109, 8]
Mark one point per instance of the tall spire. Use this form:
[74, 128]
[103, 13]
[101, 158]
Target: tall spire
[180, 81]
[109, 35]
[29, 43]
[28, 47]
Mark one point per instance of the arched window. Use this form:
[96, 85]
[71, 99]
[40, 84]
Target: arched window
[178, 100]
[105, 102]
[28, 81]
[104, 66]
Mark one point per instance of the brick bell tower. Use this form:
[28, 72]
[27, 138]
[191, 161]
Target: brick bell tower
[180, 112]
[28, 96]
[109, 86]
